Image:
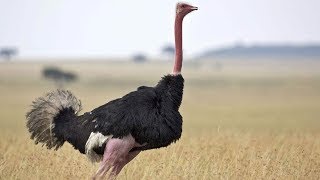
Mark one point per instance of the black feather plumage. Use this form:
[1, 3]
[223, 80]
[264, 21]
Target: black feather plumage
[150, 114]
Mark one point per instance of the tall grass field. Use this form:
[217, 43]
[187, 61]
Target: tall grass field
[243, 119]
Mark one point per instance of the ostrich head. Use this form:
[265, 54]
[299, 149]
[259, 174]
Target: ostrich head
[184, 9]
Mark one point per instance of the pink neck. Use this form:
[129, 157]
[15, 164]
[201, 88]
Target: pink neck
[178, 43]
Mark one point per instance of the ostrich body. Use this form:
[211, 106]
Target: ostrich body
[119, 130]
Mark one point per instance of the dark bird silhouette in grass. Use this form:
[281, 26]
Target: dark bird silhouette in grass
[119, 130]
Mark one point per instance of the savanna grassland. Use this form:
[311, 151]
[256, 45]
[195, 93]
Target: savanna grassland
[243, 119]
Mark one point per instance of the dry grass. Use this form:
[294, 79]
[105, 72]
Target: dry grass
[248, 121]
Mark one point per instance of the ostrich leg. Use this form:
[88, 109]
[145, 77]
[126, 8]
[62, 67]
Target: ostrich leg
[116, 156]
[118, 167]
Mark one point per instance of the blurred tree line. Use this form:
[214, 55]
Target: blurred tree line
[59, 77]
[8, 52]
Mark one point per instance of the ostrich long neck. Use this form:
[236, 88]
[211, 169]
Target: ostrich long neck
[178, 43]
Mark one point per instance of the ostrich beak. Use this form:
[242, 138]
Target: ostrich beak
[194, 8]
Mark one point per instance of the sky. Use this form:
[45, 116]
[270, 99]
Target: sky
[119, 28]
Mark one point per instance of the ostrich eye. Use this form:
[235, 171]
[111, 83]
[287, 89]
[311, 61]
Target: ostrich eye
[183, 6]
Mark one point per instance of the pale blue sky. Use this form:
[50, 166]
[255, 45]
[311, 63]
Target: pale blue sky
[109, 28]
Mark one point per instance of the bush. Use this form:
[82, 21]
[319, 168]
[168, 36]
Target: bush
[58, 76]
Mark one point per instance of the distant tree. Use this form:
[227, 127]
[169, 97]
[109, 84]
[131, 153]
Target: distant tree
[58, 76]
[168, 50]
[69, 77]
[139, 58]
[8, 52]
[52, 73]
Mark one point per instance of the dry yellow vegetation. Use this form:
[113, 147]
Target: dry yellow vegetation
[248, 120]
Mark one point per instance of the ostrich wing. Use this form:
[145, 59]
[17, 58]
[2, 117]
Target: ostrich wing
[149, 114]
[122, 116]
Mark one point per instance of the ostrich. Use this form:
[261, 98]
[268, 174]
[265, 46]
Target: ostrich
[119, 130]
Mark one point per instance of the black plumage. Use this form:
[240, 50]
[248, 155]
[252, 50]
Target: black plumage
[150, 114]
